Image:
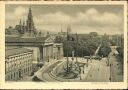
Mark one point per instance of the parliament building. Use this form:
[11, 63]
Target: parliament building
[25, 49]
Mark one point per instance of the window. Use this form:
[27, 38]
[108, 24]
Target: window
[28, 69]
[14, 74]
[8, 77]
[24, 70]
[17, 74]
[11, 76]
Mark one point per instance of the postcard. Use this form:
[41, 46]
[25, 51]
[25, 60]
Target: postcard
[63, 45]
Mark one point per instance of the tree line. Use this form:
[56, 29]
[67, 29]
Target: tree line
[85, 44]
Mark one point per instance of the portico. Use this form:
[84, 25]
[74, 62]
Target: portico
[44, 49]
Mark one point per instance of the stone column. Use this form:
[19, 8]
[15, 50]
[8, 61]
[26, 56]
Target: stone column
[52, 52]
[41, 53]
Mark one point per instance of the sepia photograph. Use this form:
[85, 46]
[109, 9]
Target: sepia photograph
[65, 42]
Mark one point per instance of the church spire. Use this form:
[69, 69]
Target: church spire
[61, 29]
[30, 14]
[30, 23]
[69, 28]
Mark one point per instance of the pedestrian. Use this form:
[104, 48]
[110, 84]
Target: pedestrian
[83, 69]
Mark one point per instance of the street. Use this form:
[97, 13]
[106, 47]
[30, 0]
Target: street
[97, 70]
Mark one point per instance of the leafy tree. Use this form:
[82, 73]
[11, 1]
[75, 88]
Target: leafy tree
[120, 47]
[93, 34]
[58, 39]
[104, 49]
[120, 51]
[85, 46]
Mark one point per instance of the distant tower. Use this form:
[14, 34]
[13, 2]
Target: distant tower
[24, 28]
[69, 29]
[20, 29]
[61, 30]
[30, 23]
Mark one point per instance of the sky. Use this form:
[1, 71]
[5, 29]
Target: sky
[82, 18]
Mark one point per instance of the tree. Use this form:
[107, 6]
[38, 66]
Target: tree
[58, 39]
[120, 47]
[104, 49]
[120, 51]
[93, 34]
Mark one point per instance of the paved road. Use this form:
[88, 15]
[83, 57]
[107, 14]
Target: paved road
[46, 75]
[96, 52]
[99, 72]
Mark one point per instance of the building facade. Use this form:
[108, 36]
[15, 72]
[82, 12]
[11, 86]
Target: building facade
[33, 49]
[52, 50]
[18, 63]
[44, 48]
[58, 51]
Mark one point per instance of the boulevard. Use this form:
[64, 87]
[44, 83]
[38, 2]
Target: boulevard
[96, 71]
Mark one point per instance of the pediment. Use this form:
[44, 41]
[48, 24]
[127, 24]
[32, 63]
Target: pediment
[49, 40]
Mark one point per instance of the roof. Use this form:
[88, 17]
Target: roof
[15, 51]
[25, 40]
[10, 48]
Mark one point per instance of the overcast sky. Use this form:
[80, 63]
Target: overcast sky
[82, 18]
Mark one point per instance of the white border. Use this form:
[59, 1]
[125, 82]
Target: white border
[59, 85]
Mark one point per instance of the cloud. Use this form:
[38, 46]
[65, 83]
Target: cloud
[20, 11]
[91, 19]
[52, 18]
[14, 17]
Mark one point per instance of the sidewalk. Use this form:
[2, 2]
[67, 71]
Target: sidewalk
[86, 71]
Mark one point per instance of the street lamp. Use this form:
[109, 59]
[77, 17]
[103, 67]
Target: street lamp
[110, 73]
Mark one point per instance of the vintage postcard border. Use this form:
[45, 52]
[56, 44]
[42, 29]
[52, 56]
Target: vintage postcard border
[59, 85]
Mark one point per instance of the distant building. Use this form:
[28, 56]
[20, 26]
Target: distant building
[18, 63]
[11, 31]
[24, 29]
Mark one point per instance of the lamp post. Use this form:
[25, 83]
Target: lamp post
[6, 66]
[73, 57]
[67, 54]
[82, 49]
[110, 73]
[76, 45]
[110, 66]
